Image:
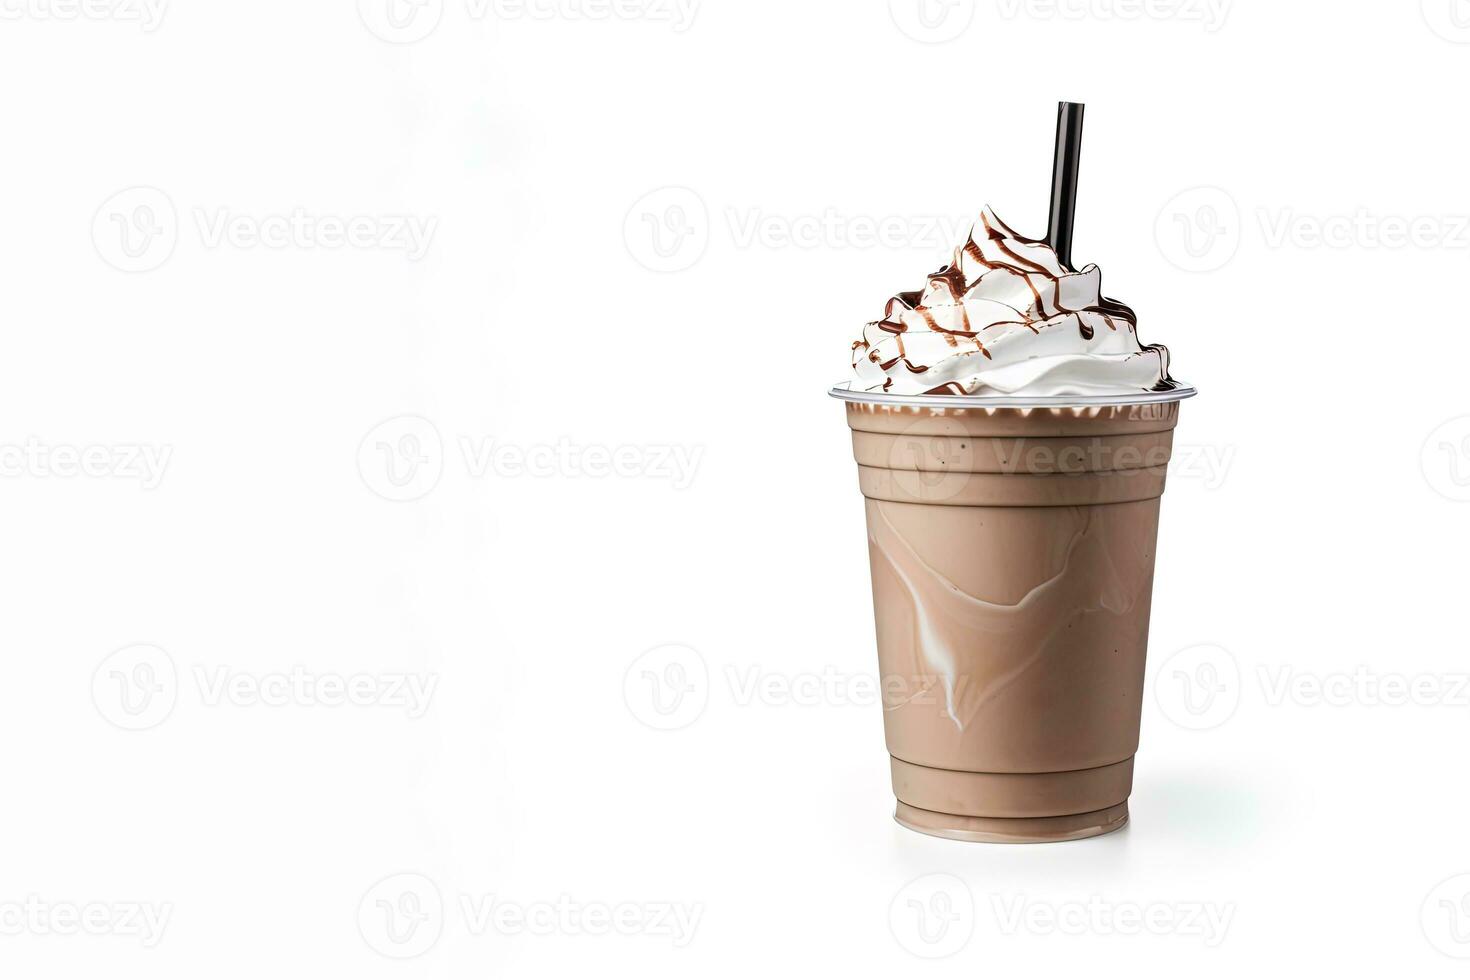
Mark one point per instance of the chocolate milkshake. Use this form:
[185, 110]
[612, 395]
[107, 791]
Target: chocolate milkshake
[1011, 434]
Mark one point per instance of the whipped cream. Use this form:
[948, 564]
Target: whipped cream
[1006, 318]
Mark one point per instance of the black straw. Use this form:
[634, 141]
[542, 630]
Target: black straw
[1064, 180]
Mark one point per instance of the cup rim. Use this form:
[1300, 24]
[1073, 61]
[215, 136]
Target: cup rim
[843, 392]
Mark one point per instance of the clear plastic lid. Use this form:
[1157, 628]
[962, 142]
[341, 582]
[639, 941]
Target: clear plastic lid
[844, 392]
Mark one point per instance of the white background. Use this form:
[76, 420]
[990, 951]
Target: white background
[294, 394]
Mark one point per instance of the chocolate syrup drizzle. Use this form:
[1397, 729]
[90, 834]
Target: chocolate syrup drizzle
[952, 278]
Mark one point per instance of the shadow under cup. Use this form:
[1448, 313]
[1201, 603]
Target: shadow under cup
[1012, 556]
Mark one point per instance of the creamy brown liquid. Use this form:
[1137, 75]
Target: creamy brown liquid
[1012, 558]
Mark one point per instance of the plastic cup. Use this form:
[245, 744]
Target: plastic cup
[1012, 547]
